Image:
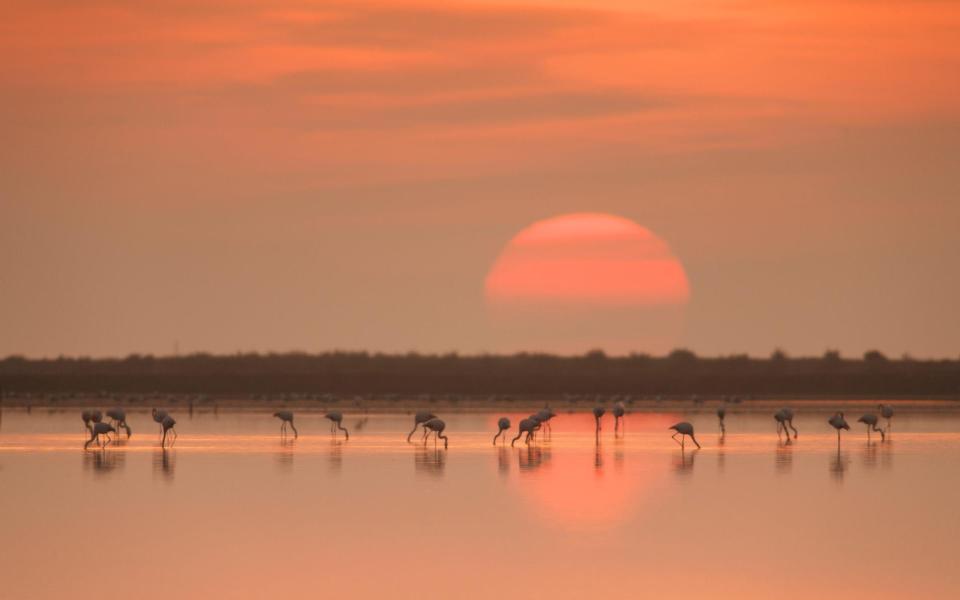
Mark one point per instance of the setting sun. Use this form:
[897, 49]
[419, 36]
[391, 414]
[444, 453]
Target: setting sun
[562, 282]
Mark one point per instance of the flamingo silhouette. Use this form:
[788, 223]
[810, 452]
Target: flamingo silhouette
[598, 412]
[502, 425]
[286, 417]
[838, 422]
[526, 426]
[886, 411]
[336, 420]
[683, 429]
[784, 418]
[167, 425]
[870, 421]
[97, 430]
[119, 419]
[89, 417]
[419, 419]
[158, 417]
[721, 415]
[544, 416]
[436, 426]
[618, 413]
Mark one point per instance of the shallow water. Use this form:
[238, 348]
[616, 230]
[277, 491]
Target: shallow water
[232, 511]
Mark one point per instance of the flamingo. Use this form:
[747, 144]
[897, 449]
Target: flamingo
[539, 424]
[683, 429]
[618, 412]
[285, 417]
[97, 430]
[598, 412]
[886, 411]
[526, 426]
[158, 417]
[784, 418]
[419, 419]
[838, 423]
[502, 425]
[721, 415]
[336, 422]
[871, 422]
[544, 417]
[119, 418]
[167, 425]
[90, 416]
[436, 426]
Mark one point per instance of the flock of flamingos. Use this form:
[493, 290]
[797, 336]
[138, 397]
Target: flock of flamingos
[100, 430]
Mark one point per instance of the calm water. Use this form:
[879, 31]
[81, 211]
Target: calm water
[234, 512]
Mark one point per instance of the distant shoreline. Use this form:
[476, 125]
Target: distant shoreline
[482, 379]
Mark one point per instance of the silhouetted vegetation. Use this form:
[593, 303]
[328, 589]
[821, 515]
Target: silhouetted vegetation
[681, 372]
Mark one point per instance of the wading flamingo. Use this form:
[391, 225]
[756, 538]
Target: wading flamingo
[598, 412]
[119, 419]
[838, 422]
[502, 425]
[886, 411]
[336, 420]
[436, 426]
[683, 429]
[167, 425]
[784, 418]
[97, 430]
[286, 417]
[871, 422]
[419, 419]
[619, 410]
[158, 417]
[526, 426]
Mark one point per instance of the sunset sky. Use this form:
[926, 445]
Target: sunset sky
[256, 176]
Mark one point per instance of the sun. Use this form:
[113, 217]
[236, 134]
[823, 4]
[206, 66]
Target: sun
[587, 280]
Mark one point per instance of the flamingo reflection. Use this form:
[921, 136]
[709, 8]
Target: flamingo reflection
[429, 461]
[164, 463]
[784, 457]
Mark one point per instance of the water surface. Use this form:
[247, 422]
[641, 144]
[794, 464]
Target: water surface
[234, 511]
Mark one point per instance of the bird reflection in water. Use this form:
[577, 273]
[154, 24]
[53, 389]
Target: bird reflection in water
[531, 458]
[618, 453]
[284, 454]
[429, 461]
[886, 454]
[721, 451]
[870, 454]
[683, 463]
[838, 465]
[597, 457]
[503, 460]
[335, 457]
[101, 460]
[164, 463]
[783, 461]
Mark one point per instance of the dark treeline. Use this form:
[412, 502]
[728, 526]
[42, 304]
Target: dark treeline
[681, 372]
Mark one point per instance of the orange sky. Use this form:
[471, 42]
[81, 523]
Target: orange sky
[277, 175]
